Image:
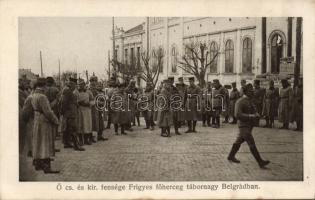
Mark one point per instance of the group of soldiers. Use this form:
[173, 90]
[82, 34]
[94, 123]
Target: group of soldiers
[75, 113]
[45, 112]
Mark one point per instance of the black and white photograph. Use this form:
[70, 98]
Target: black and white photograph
[161, 99]
[157, 99]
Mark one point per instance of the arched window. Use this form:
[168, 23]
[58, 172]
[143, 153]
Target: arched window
[174, 59]
[214, 57]
[247, 56]
[276, 52]
[229, 56]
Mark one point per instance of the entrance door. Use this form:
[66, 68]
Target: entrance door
[276, 53]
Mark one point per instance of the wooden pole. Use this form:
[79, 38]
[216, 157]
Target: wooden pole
[114, 52]
[298, 50]
[108, 64]
[41, 64]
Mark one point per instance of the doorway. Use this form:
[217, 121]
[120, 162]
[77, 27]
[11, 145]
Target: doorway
[276, 53]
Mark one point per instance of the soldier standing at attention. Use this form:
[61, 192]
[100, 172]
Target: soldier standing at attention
[285, 105]
[297, 111]
[45, 122]
[176, 96]
[258, 98]
[164, 117]
[243, 84]
[85, 99]
[148, 111]
[246, 114]
[218, 101]
[69, 110]
[270, 104]
[234, 96]
[193, 93]
[181, 88]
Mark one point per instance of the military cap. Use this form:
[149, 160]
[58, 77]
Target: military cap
[73, 80]
[40, 82]
[243, 81]
[93, 78]
[191, 78]
[50, 79]
[234, 83]
[256, 81]
[81, 81]
[216, 81]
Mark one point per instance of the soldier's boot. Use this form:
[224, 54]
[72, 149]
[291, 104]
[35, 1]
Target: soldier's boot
[76, 145]
[262, 163]
[285, 126]
[272, 122]
[122, 129]
[176, 128]
[298, 126]
[208, 121]
[189, 127]
[92, 139]
[37, 164]
[47, 167]
[267, 123]
[87, 139]
[116, 129]
[194, 127]
[234, 120]
[168, 131]
[100, 136]
[138, 120]
[203, 120]
[233, 152]
[226, 119]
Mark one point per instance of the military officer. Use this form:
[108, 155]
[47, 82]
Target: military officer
[246, 113]
[219, 95]
[192, 99]
[243, 84]
[181, 88]
[148, 109]
[270, 108]
[258, 98]
[175, 96]
[69, 110]
[297, 110]
[234, 96]
[285, 104]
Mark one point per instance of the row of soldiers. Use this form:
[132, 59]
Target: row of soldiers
[46, 111]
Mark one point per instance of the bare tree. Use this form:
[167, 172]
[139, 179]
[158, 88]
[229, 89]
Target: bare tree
[125, 71]
[196, 60]
[150, 71]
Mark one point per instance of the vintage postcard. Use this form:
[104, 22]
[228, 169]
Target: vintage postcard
[157, 100]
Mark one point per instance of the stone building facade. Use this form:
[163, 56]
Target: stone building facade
[246, 46]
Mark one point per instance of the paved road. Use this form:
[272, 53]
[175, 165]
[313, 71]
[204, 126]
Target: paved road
[143, 155]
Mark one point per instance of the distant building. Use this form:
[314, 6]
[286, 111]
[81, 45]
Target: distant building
[247, 46]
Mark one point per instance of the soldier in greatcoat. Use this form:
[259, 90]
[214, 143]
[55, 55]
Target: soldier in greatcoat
[175, 96]
[148, 106]
[246, 113]
[258, 98]
[52, 93]
[181, 88]
[297, 110]
[243, 84]
[218, 101]
[100, 112]
[226, 111]
[164, 113]
[206, 99]
[44, 121]
[119, 107]
[85, 101]
[285, 104]
[234, 96]
[129, 90]
[22, 97]
[69, 110]
[192, 104]
[270, 107]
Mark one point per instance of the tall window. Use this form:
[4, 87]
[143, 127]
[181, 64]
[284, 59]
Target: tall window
[213, 52]
[132, 55]
[247, 55]
[138, 57]
[126, 56]
[154, 60]
[229, 56]
[174, 59]
[276, 53]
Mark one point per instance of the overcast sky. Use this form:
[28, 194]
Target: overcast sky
[79, 43]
